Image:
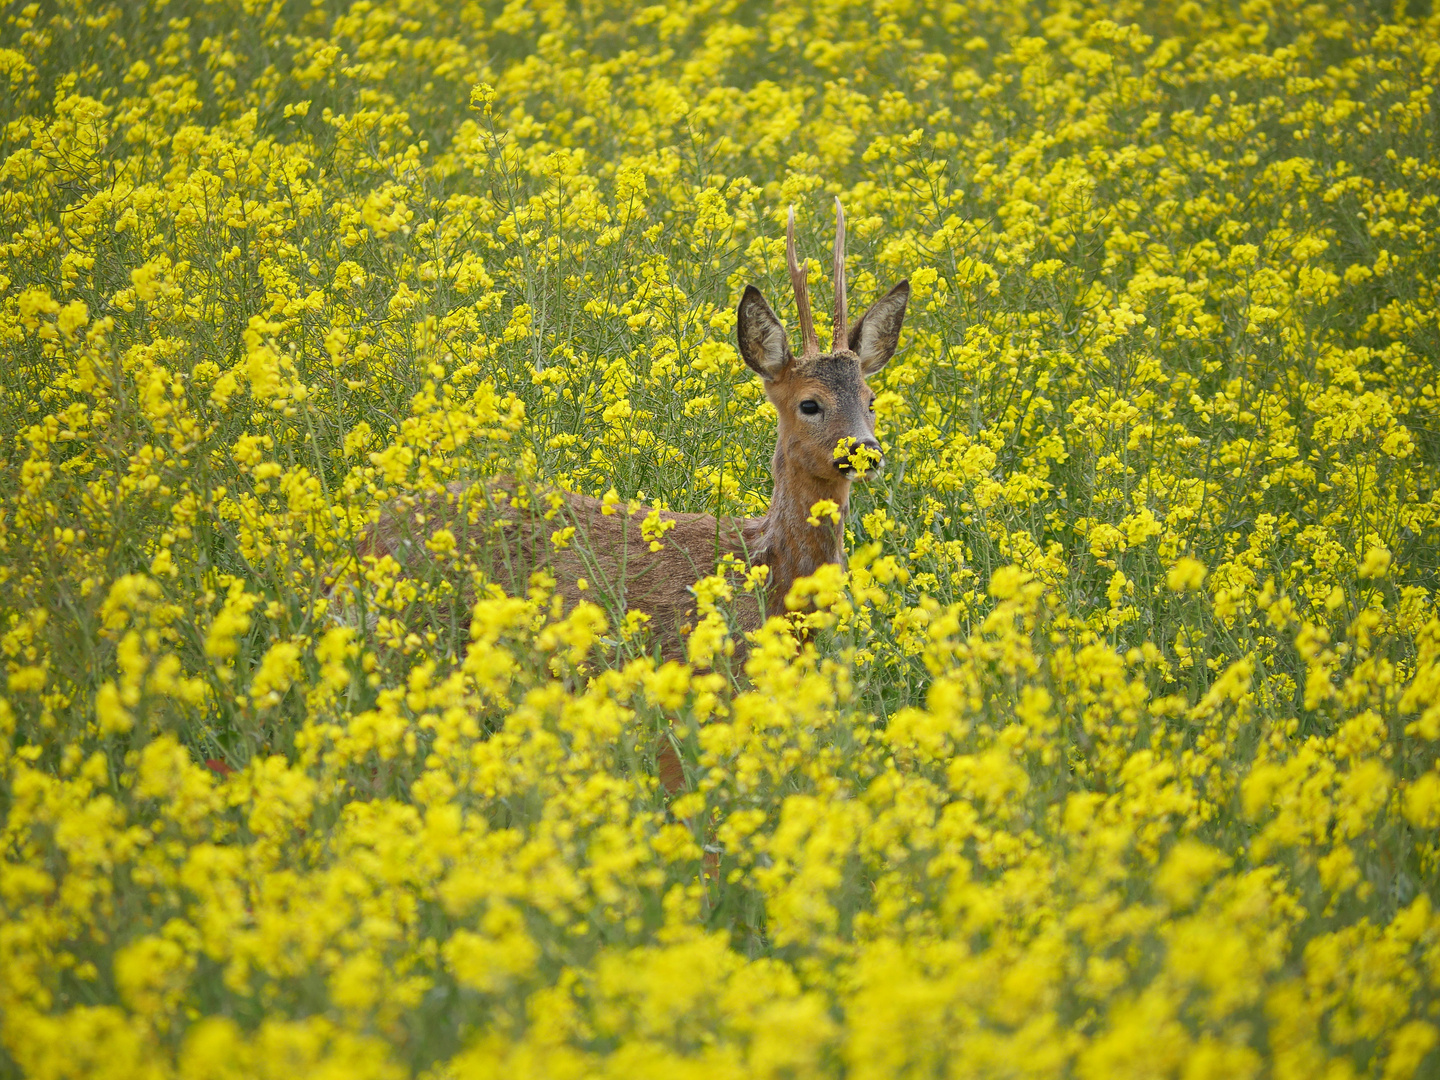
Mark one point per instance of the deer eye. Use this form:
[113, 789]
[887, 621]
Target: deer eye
[809, 406]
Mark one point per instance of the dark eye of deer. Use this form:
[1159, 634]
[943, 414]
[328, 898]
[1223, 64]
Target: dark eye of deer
[809, 407]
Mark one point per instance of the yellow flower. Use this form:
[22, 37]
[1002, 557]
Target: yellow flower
[1376, 563]
[277, 671]
[1186, 870]
[823, 509]
[1185, 575]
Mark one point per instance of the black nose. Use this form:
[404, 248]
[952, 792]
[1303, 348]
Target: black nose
[844, 463]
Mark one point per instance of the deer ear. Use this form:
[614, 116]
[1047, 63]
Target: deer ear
[874, 337]
[764, 344]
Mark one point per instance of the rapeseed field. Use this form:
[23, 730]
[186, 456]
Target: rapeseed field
[1111, 752]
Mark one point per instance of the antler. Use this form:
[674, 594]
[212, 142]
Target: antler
[839, 340]
[811, 343]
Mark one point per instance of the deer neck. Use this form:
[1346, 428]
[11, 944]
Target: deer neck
[793, 547]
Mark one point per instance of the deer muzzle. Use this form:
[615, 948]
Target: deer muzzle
[858, 456]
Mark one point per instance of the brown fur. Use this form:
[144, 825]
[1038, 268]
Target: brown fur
[608, 551]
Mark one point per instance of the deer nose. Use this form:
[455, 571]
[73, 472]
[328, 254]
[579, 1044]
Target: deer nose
[873, 456]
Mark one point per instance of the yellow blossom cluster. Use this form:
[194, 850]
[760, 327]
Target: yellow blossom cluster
[1111, 751]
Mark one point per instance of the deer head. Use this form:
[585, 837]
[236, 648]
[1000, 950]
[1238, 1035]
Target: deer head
[826, 410]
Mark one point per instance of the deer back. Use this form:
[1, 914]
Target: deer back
[509, 535]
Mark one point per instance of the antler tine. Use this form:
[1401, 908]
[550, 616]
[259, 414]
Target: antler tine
[811, 343]
[842, 329]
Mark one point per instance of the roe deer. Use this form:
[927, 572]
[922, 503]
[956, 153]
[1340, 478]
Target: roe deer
[826, 420]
